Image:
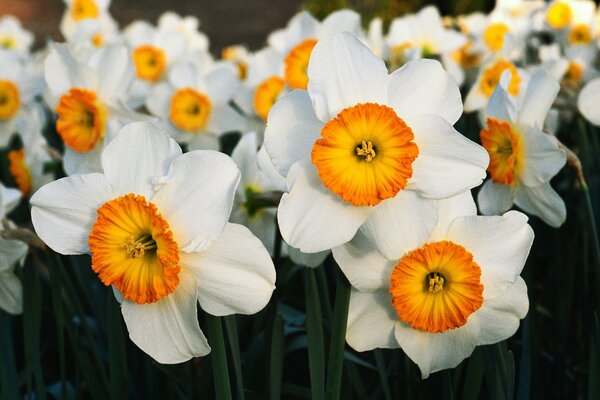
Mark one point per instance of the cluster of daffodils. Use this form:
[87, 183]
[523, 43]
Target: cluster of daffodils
[347, 146]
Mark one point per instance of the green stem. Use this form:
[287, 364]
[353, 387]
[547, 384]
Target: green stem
[383, 374]
[314, 332]
[338, 339]
[218, 358]
[234, 346]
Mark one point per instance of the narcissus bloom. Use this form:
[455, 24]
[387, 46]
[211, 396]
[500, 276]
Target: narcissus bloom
[80, 11]
[523, 158]
[440, 298]
[364, 149]
[13, 37]
[89, 97]
[155, 223]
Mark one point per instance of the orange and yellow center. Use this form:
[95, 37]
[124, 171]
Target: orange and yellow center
[296, 64]
[189, 109]
[365, 154]
[559, 15]
[436, 287]
[19, 171]
[266, 94]
[133, 249]
[7, 42]
[98, 40]
[580, 34]
[466, 57]
[574, 73]
[491, 76]
[84, 9]
[494, 35]
[506, 148]
[10, 99]
[81, 119]
[150, 62]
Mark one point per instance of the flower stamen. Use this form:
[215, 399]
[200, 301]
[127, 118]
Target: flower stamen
[366, 150]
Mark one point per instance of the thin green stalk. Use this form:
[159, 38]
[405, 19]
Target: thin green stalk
[218, 358]
[234, 347]
[116, 350]
[383, 375]
[314, 332]
[338, 339]
[276, 359]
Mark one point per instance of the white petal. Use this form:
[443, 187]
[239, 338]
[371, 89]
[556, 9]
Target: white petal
[495, 199]
[202, 141]
[224, 118]
[312, 260]
[371, 321]
[313, 219]
[221, 84]
[500, 246]
[158, 101]
[433, 352]
[168, 330]
[543, 202]
[588, 100]
[340, 21]
[140, 152]
[292, 129]
[196, 197]
[64, 211]
[461, 205]
[448, 163]
[500, 105]
[235, 274]
[543, 157]
[75, 162]
[11, 251]
[475, 99]
[342, 72]
[115, 72]
[424, 87]
[540, 95]
[499, 319]
[63, 72]
[365, 267]
[400, 224]
[11, 293]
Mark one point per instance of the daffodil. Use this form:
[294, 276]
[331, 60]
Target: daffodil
[523, 158]
[155, 224]
[196, 106]
[20, 83]
[364, 149]
[188, 25]
[441, 297]
[80, 11]
[587, 101]
[13, 37]
[90, 97]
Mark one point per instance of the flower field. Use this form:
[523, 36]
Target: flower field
[375, 202]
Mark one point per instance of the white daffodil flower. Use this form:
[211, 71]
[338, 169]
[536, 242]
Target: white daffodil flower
[441, 297]
[196, 106]
[79, 11]
[89, 97]
[155, 223]
[523, 158]
[188, 26]
[364, 149]
[20, 83]
[13, 37]
[588, 100]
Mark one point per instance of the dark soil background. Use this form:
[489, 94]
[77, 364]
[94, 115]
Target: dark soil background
[226, 22]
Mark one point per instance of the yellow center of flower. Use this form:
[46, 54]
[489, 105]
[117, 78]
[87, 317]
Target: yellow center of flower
[150, 62]
[296, 64]
[10, 100]
[266, 94]
[559, 15]
[506, 149]
[436, 287]
[7, 42]
[365, 154]
[81, 119]
[397, 54]
[466, 57]
[133, 249]
[491, 76]
[98, 40]
[84, 9]
[574, 73]
[494, 34]
[189, 110]
[232, 53]
[19, 171]
[580, 34]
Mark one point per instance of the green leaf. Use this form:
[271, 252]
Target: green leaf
[276, 359]
[338, 339]
[218, 358]
[234, 347]
[314, 331]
